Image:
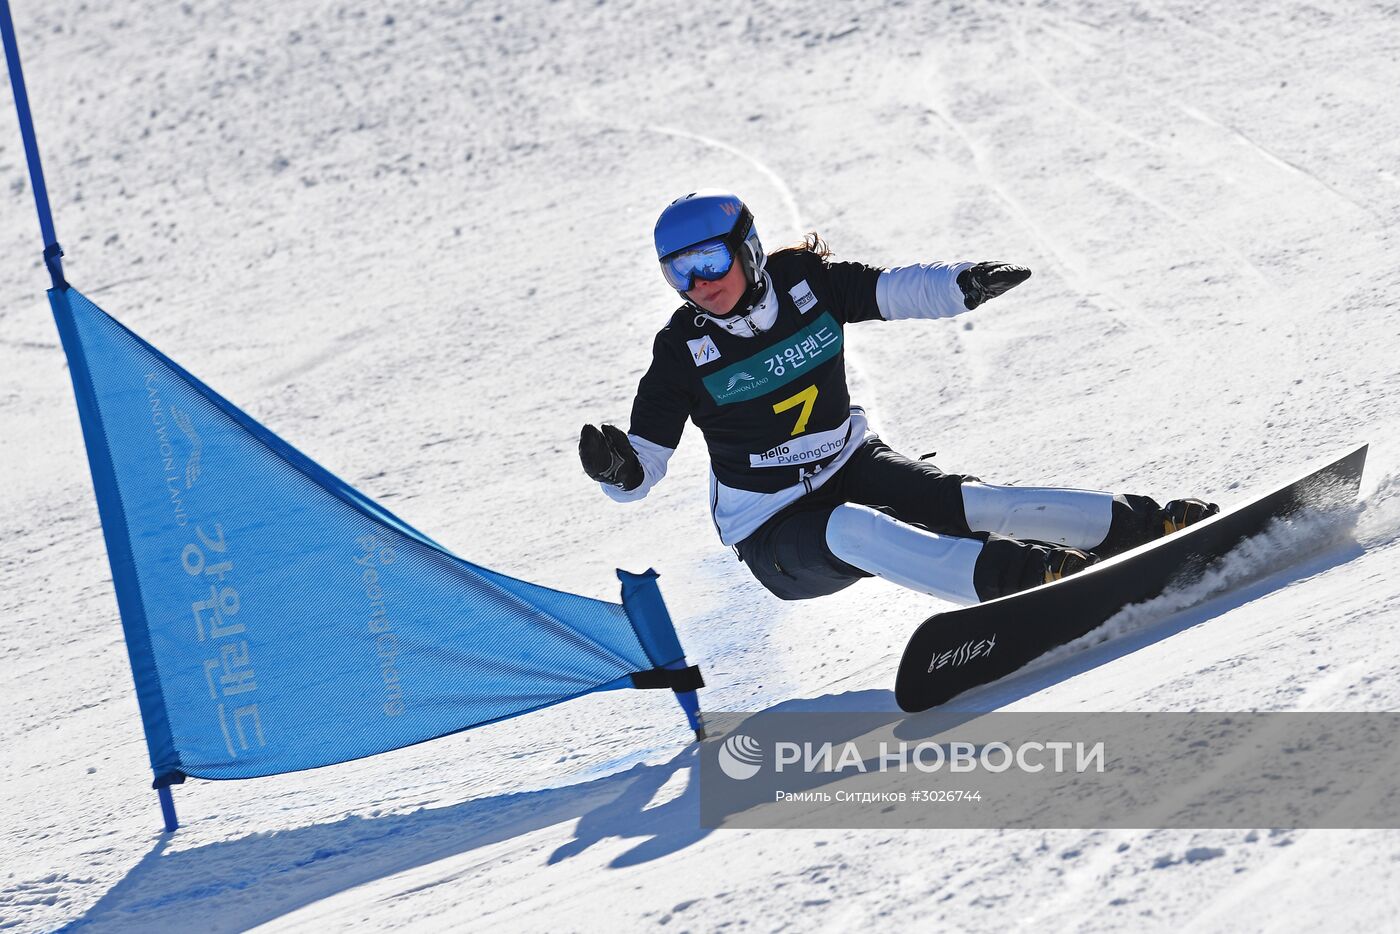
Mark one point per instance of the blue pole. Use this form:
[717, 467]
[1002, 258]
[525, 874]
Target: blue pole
[690, 703]
[641, 598]
[167, 801]
[52, 251]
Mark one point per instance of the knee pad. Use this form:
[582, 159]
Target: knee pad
[880, 544]
[1078, 518]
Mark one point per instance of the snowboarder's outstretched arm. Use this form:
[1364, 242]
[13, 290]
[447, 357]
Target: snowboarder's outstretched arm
[942, 290]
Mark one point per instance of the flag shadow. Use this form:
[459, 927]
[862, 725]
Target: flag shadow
[239, 884]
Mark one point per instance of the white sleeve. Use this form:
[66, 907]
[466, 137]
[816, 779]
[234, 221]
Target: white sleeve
[927, 290]
[653, 457]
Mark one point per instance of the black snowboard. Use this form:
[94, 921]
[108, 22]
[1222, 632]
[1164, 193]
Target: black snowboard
[974, 645]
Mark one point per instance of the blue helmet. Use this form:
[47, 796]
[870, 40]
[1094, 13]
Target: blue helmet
[701, 234]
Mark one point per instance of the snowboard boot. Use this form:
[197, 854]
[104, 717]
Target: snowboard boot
[1006, 565]
[1138, 520]
[1180, 513]
[1062, 562]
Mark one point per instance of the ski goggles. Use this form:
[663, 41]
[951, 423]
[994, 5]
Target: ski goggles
[709, 260]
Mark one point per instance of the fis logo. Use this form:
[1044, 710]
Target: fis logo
[703, 351]
[740, 757]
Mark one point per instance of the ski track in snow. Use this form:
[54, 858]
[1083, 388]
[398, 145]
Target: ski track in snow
[347, 221]
[1073, 271]
[794, 215]
[1294, 310]
[1273, 158]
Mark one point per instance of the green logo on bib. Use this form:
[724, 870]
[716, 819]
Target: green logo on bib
[778, 365]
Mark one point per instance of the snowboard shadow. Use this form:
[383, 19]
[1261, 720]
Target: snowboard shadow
[239, 884]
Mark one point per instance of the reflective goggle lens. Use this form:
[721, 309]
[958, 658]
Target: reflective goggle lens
[711, 260]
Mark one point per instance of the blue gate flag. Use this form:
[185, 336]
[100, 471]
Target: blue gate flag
[277, 619]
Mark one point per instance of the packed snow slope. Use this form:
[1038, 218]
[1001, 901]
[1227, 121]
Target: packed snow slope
[414, 239]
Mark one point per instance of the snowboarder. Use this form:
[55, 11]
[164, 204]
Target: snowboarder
[805, 492]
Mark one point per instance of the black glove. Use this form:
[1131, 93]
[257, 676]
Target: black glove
[608, 457]
[988, 280]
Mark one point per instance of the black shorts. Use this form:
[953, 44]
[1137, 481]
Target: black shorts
[788, 553]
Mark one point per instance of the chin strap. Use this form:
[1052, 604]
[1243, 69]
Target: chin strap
[752, 297]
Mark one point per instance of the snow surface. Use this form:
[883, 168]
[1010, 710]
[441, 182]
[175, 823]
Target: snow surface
[414, 240]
